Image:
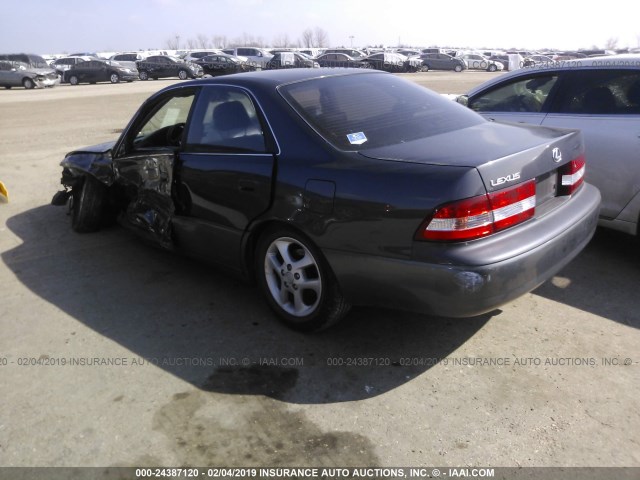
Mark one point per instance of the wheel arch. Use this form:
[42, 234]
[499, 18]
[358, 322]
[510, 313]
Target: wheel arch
[252, 237]
[31, 79]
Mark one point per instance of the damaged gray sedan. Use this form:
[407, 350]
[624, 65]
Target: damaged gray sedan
[338, 188]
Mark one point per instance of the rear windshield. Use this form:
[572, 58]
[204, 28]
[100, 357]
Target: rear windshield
[358, 112]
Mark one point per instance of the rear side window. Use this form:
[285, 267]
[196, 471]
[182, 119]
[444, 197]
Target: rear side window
[524, 95]
[600, 92]
[357, 112]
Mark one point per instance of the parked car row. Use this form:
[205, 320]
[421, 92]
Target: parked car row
[87, 67]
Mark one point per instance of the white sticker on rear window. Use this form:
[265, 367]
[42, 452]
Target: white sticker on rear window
[357, 138]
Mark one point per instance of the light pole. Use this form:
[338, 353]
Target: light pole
[351, 37]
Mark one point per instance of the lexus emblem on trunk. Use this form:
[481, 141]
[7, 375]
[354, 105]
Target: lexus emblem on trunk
[556, 154]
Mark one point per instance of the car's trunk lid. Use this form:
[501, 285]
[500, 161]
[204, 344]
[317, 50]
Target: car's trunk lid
[504, 154]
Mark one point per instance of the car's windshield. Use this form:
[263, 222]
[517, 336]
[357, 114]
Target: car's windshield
[357, 112]
[37, 61]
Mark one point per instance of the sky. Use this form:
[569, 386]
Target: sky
[69, 26]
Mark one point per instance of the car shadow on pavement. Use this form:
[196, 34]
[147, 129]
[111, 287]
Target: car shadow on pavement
[603, 280]
[210, 330]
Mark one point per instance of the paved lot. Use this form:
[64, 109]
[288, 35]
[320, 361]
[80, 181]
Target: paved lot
[113, 353]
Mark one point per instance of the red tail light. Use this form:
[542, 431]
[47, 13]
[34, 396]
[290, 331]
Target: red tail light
[480, 216]
[571, 176]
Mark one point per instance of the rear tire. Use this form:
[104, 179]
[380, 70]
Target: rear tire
[88, 202]
[297, 282]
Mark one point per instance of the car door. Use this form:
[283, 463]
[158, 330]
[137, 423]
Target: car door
[164, 67]
[441, 61]
[156, 67]
[144, 162]
[102, 73]
[604, 104]
[87, 71]
[6, 74]
[329, 60]
[524, 99]
[225, 174]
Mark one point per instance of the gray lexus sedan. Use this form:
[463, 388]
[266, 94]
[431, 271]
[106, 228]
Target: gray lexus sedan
[340, 187]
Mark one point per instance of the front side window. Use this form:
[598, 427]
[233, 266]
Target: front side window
[225, 120]
[164, 124]
[524, 95]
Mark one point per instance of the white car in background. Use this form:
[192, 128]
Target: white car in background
[194, 56]
[128, 60]
[257, 57]
[476, 61]
[63, 64]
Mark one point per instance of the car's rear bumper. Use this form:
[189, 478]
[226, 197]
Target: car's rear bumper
[464, 280]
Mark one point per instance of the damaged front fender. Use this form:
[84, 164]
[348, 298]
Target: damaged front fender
[95, 161]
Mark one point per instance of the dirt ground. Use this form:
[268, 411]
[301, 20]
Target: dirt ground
[113, 353]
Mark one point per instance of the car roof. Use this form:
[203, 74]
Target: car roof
[275, 78]
[625, 61]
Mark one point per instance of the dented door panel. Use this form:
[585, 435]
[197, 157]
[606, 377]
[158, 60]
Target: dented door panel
[146, 179]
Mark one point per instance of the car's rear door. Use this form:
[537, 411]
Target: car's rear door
[225, 174]
[604, 105]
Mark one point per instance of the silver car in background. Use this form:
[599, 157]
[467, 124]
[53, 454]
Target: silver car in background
[26, 70]
[601, 97]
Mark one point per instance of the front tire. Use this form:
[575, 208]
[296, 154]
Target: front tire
[143, 75]
[492, 68]
[114, 78]
[183, 75]
[73, 80]
[28, 84]
[458, 68]
[297, 282]
[87, 204]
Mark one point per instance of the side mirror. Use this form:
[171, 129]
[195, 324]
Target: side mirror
[463, 100]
